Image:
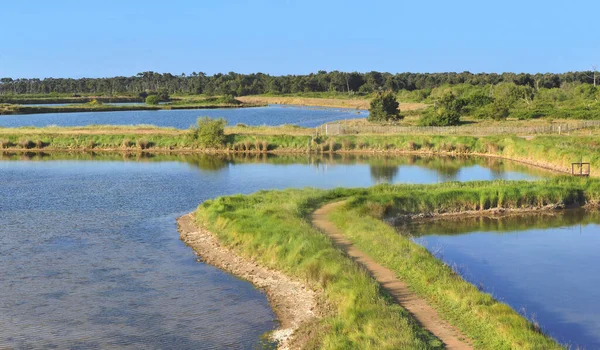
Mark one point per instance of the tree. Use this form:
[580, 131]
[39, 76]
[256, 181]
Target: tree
[499, 110]
[384, 107]
[210, 133]
[446, 113]
[152, 100]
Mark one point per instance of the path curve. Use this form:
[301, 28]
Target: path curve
[417, 306]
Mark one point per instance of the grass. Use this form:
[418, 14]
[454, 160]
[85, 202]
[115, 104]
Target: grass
[557, 152]
[272, 227]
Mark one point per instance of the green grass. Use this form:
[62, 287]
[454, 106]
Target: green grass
[552, 151]
[270, 228]
[273, 228]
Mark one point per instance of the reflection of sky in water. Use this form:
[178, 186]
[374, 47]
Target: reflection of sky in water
[90, 255]
[550, 273]
[183, 118]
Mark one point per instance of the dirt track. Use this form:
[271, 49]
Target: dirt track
[417, 306]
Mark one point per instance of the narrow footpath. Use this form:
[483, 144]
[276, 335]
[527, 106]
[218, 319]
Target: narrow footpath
[417, 306]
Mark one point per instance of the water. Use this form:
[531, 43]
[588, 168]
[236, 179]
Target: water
[544, 266]
[183, 118]
[90, 256]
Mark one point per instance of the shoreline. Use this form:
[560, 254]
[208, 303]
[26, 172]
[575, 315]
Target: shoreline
[294, 303]
[27, 110]
[537, 164]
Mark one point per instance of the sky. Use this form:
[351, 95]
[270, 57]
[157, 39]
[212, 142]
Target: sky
[69, 38]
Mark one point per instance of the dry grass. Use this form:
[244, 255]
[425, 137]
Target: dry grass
[323, 102]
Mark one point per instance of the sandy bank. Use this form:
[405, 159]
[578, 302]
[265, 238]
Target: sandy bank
[294, 303]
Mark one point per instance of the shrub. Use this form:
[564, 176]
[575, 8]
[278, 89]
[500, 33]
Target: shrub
[346, 145]
[26, 144]
[210, 133]
[446, 113]
[152, 100]
[384, 107]
[143, 144]
[39, 144]
[4, 143]
[126, 143]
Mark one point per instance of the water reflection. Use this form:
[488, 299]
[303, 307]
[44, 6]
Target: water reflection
[382, 168]
[90, 256]
[542, 264]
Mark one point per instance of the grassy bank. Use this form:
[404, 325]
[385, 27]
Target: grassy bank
[269, 227]
[10, 109]
[556, 152]
[65, 98]
[492, 325]
[272, 227]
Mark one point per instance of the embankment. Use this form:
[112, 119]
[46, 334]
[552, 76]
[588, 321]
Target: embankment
[273, 227]
[294, 303]
[552, 152]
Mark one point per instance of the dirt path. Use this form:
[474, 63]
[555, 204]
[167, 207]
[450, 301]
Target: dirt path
[418, 307]
[293, 302]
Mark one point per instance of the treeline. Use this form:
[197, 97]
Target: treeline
[254, 84]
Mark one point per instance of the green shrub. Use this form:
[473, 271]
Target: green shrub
[143, 144]
[384, 107]
[210, 133]
[152, 100]
[26, 143]
[446, 113]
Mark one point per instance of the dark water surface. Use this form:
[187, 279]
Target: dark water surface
[544, 266]
[90, 256]
[183, 118]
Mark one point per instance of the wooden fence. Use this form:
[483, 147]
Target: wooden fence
[343, 129]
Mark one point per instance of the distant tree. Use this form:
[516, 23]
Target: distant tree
[152, 100]
[445, 113]
[384, 107]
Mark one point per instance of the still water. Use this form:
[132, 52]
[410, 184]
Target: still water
[90, 256]
[544, 266]
[183, 118]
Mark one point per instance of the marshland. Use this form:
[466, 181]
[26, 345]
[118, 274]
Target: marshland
[93, 188]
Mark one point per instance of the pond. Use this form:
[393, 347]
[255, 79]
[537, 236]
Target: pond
[183, 118]
[90, 256]
[543, 265]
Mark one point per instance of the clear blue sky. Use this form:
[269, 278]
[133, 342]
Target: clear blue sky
[68, 38]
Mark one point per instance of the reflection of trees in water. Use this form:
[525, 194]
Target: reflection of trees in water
[383, 173]
[209, 162]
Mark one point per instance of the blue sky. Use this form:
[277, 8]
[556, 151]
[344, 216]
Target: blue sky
[68, 38]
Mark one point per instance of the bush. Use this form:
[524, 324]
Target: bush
[210, 133]
[384, 107]
[143, 144]
[152, 100]
[26, 144]
[446, 113]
